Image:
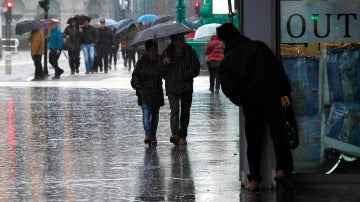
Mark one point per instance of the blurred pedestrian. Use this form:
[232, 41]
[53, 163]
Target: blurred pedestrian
[214, 54]
[103, 45]
[252, 76]
[88, 38]
[56, 44]
[73, 45]
[131, 50]
[181, 65]
[114, 49]
[36, 42]
[123, 52]
[147, 81]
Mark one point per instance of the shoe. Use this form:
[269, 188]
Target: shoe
[109, 67]
[174, 139]
[61, 71]
[77, 70]
[253, 186]
[114, 67]
[283, 182]
[87, 72]
[153, 140]
[72, 72]
[56, 77]
[182, 141]
[147, 139]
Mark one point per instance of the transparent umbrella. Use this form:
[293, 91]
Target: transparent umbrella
[204, 33]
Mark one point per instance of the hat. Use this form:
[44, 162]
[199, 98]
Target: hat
[102, 20]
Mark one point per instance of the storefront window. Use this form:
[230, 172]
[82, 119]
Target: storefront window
[320, 51]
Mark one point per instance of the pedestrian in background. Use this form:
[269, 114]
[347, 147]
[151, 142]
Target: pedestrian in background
[123, 52]
[181, 65]
[252, 77]
[114, 49]
[73, 45]
[103, 45]
[147, 81]
[214, 55]
[36, 42]
[56, 44]
[88, 37]
[131, 50]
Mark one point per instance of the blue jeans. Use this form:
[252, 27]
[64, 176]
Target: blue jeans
[89, 52]
[150, 119]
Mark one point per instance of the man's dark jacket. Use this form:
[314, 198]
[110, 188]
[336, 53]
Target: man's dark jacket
[251, 74]
[105, 40]
[183, 68]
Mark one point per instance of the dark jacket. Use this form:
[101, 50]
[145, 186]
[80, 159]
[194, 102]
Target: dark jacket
[183, 68]
[147, 81]
[251, 74]
[89, 35]
[105, 39]
[74, 42]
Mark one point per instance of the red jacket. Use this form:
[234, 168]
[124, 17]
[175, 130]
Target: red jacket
[214, 49]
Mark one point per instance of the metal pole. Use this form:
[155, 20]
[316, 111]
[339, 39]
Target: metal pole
[46, 16]
[231, 14]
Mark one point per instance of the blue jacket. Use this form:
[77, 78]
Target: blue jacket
[56, 40]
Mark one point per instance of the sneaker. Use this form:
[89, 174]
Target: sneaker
[56, 77]
[174, 139]
[253, 186]
[182, 141]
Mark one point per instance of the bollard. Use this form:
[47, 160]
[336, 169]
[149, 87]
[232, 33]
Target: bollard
[7, 62]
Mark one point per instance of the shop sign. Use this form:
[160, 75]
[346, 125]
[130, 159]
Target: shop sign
[305, 22]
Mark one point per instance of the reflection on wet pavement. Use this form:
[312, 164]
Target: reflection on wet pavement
[80, 144]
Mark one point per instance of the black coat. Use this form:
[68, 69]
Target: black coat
[147, 81]
[183, 68]
[251, 74]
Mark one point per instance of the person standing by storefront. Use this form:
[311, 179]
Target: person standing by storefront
[214, 54]
[180, 65]
[36, 42]
[56, 44]
[88, 37]
[252, 77]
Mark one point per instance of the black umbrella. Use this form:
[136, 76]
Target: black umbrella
[80, 18]
[162, 19]
[160, 32]
[27, 26]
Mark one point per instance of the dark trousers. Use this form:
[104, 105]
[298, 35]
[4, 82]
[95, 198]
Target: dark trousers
[259, 117]
[102, 59]
[130, 57]
[53, 60]
[214, 77]
[180, 112]
[74, 60]
[123, 54]
[38, 66]
[113, 54]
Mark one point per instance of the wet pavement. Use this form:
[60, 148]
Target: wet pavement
[80, 138]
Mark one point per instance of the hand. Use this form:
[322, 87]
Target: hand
[80, 29]
[166, 61]
[285, 101]
[67, 36]
[58, 52]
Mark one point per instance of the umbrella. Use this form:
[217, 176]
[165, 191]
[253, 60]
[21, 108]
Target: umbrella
[80, 18]
[160, 32]
[121, 32]
[27, 26]
[110, 22]
[192, 22]
[47, 22]
[204, 33]
[147, 18]
[125, 23]
[162, 19]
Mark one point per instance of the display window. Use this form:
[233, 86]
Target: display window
[320, 51]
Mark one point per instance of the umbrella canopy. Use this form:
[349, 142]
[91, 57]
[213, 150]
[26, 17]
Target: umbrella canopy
[47, 22]
[125, 23]
[147, 18]
[110, 22]
[27, 26]
[162, 19]
[121, 33]
[159, 32]
[80, 18]
[204, 33]
[192, 22]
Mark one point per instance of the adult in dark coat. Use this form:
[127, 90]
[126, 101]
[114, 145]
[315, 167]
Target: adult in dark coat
[147, 81]
[181, 66]
[103, 46]
[252, 76]
[73, 45]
